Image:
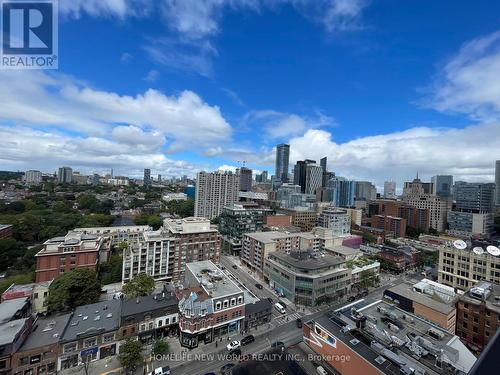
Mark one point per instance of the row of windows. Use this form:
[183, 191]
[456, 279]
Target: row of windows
[88, 343]
[226, 303]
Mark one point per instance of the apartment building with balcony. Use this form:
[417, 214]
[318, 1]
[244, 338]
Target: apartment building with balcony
[164, 253]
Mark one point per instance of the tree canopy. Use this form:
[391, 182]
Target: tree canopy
[72, 289]
[130, 354]
[140, 285]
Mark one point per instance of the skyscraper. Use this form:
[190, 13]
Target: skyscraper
[323, 163]
[147, 177]
[282, 160]
[214, 191]
[497, 182]
[441, 185]
[342, 191]
[245, 179]
[474, 197]
[314, 178]
[365, 190]
[300, 173]
[390, 189]
[65, 175]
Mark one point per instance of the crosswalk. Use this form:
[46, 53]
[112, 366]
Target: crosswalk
[276, 322]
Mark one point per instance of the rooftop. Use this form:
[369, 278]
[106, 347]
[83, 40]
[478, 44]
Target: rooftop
[188, 225]
[392, 339]
[149, 303]
[9, 308]
[9, 330]
[484, 291]
[425, 294]
[305, 261]
[46, 331]
[89, 320]
[269, 237]
[212, 280]
[275, 362]
[5, 226]
[343, 250]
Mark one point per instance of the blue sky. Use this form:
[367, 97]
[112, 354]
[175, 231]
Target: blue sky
[383, 88]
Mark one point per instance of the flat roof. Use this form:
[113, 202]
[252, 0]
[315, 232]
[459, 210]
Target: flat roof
[46, 331]
[9, 308]
[376, 342]
[307, 262]
[215, 282]
[343, 250]
[148, 303]
[492, 301]
[434, 302]
[270, 237]
[97, 317]
[9, 330]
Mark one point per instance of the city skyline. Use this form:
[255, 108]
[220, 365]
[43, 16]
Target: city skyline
[193, 73]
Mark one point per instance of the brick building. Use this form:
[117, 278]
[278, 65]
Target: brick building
[392, 226]
[478, 315]
[63, 254]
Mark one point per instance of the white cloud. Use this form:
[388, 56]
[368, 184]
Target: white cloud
[126, 57]
[182, 54]
[105, 8]
[400, 155]
[152, 75]
[227, 168]
[470, 82]
[39, 99]
[24, 148]
[280, 125]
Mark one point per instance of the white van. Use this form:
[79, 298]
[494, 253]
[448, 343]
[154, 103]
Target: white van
[321, 371]
[278, 306]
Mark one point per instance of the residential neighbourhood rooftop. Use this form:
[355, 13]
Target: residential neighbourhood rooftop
[10, 330]
[211, 279]
[46, 331]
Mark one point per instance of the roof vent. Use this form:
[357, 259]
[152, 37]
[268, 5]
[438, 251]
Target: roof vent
[109, 315]
[85, 317]
[98, 317]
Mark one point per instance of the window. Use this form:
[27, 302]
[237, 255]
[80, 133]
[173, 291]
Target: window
[90, 342]
[240, 300]
[225, 303]
[68, 348]
[108, 338]
[233, 301]
[217, 305]
[35, 295]
[174, 319]
[160, 323]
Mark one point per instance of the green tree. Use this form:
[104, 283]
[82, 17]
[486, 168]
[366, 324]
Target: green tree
[140, 285]
[72, 289]
[160, 347]
[130, 354]
[111, 271]
[10, 250]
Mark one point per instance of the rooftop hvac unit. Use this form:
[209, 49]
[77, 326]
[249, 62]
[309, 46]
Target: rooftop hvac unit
[435, 334]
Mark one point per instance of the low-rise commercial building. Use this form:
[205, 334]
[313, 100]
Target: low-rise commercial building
[478, 315]
[427, 299]
[211, 305]
[12, 335]
[257, 312]
[305, 279]
[39, 353]
[150, 317]
[91, 334]
[305, 219]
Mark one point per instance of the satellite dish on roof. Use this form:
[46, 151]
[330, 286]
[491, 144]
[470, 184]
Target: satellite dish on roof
[478, 250]
[493, 250]
[459, 244]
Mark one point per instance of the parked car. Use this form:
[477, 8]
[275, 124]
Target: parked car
[235, 266]
[277, 344]
[351, 299]
[161, 371]
[299, 323]
[258, 286]
[226, 369]
[233, 345]
[247, 340]
[282, 303]
[270, 300]
[321, 371]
